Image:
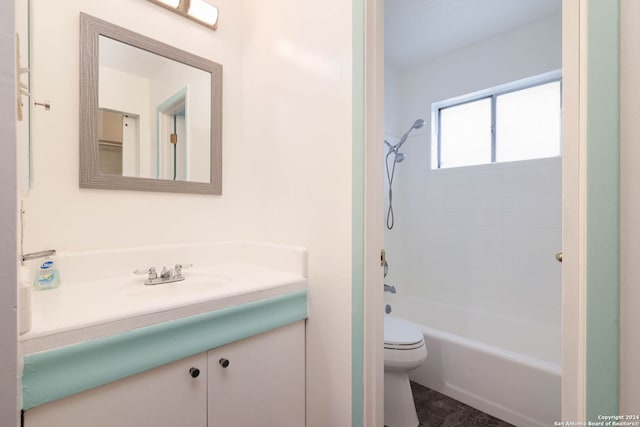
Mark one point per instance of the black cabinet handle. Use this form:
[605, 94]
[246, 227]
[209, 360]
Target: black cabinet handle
[223, 362]
[194, 372]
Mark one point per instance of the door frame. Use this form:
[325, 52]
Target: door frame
[578, 281]
[573, 210]
[9, 400]
[373, 361]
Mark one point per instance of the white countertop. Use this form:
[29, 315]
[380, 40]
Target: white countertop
[85, 310]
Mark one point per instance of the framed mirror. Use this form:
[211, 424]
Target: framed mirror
[150, 114]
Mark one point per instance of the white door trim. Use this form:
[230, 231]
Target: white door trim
[9, 404]
[574, 210]
[373, 213]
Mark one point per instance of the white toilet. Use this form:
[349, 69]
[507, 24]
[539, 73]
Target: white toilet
[404, 350]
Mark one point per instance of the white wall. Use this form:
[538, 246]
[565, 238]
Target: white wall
[8, 208]
[392, 104]
[286, 155]
[629, 207]
[296, 160]
[143, 218]
[481, 237]
[532, 49]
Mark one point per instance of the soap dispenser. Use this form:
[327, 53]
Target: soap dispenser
[47, 276]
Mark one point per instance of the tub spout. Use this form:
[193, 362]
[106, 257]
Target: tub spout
[389, 288]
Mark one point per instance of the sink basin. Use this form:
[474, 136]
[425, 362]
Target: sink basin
[194, 283]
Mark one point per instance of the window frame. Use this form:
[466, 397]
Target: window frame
[491, 93]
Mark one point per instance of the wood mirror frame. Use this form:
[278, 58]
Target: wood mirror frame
[91, 29]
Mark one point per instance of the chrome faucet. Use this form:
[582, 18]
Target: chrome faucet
[166, 275]
[389, 288]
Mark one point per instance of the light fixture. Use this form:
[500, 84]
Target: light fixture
[171, 3]
[200, 11]
[203, 11]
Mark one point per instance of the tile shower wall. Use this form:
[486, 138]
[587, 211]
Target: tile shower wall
[480, 237]
[483, 237]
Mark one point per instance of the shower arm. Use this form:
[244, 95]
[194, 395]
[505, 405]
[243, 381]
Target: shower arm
[402, 140]
[388, 144]
[416, 125]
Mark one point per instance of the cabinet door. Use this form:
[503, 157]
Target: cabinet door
[264, 382]
[167, 396]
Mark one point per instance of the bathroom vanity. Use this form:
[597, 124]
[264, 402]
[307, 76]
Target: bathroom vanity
[263, 384]
[225, 347]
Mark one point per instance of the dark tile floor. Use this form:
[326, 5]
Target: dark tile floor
[437, 410]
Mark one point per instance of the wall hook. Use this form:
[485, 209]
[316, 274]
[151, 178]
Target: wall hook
[45, 104]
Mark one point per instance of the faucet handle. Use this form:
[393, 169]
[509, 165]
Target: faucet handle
[151, 271]
[165, 274]
[179, 267]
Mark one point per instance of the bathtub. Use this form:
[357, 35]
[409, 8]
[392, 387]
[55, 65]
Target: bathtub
[507, 368]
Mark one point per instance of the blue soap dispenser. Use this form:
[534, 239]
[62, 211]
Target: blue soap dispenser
[47, 276]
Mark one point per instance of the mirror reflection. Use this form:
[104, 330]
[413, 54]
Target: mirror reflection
[150, 114]
[153, 115]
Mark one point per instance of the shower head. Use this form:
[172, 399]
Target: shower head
[399, 157]
[416, 125]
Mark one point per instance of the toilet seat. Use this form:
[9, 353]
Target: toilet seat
[401, 335]
[392, 346]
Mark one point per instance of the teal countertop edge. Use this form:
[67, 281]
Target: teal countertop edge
[61, 372]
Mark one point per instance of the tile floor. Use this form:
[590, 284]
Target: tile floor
[437, 410]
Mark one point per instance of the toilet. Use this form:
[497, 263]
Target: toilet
[404, 350]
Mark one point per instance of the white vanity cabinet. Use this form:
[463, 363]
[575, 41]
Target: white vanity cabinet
[262, 383]
[165, 396]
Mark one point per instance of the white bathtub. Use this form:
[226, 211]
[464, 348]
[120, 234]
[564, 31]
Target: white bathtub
[504, 367]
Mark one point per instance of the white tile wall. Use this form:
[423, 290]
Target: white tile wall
[480, 237]
[483, 237]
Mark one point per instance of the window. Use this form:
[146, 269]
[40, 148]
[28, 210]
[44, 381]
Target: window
[516, 121]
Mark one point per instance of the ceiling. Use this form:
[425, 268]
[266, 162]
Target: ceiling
[417, 31]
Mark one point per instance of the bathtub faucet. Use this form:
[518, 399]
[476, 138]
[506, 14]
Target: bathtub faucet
[389, 288]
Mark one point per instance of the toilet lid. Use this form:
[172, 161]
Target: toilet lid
[400, 334]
